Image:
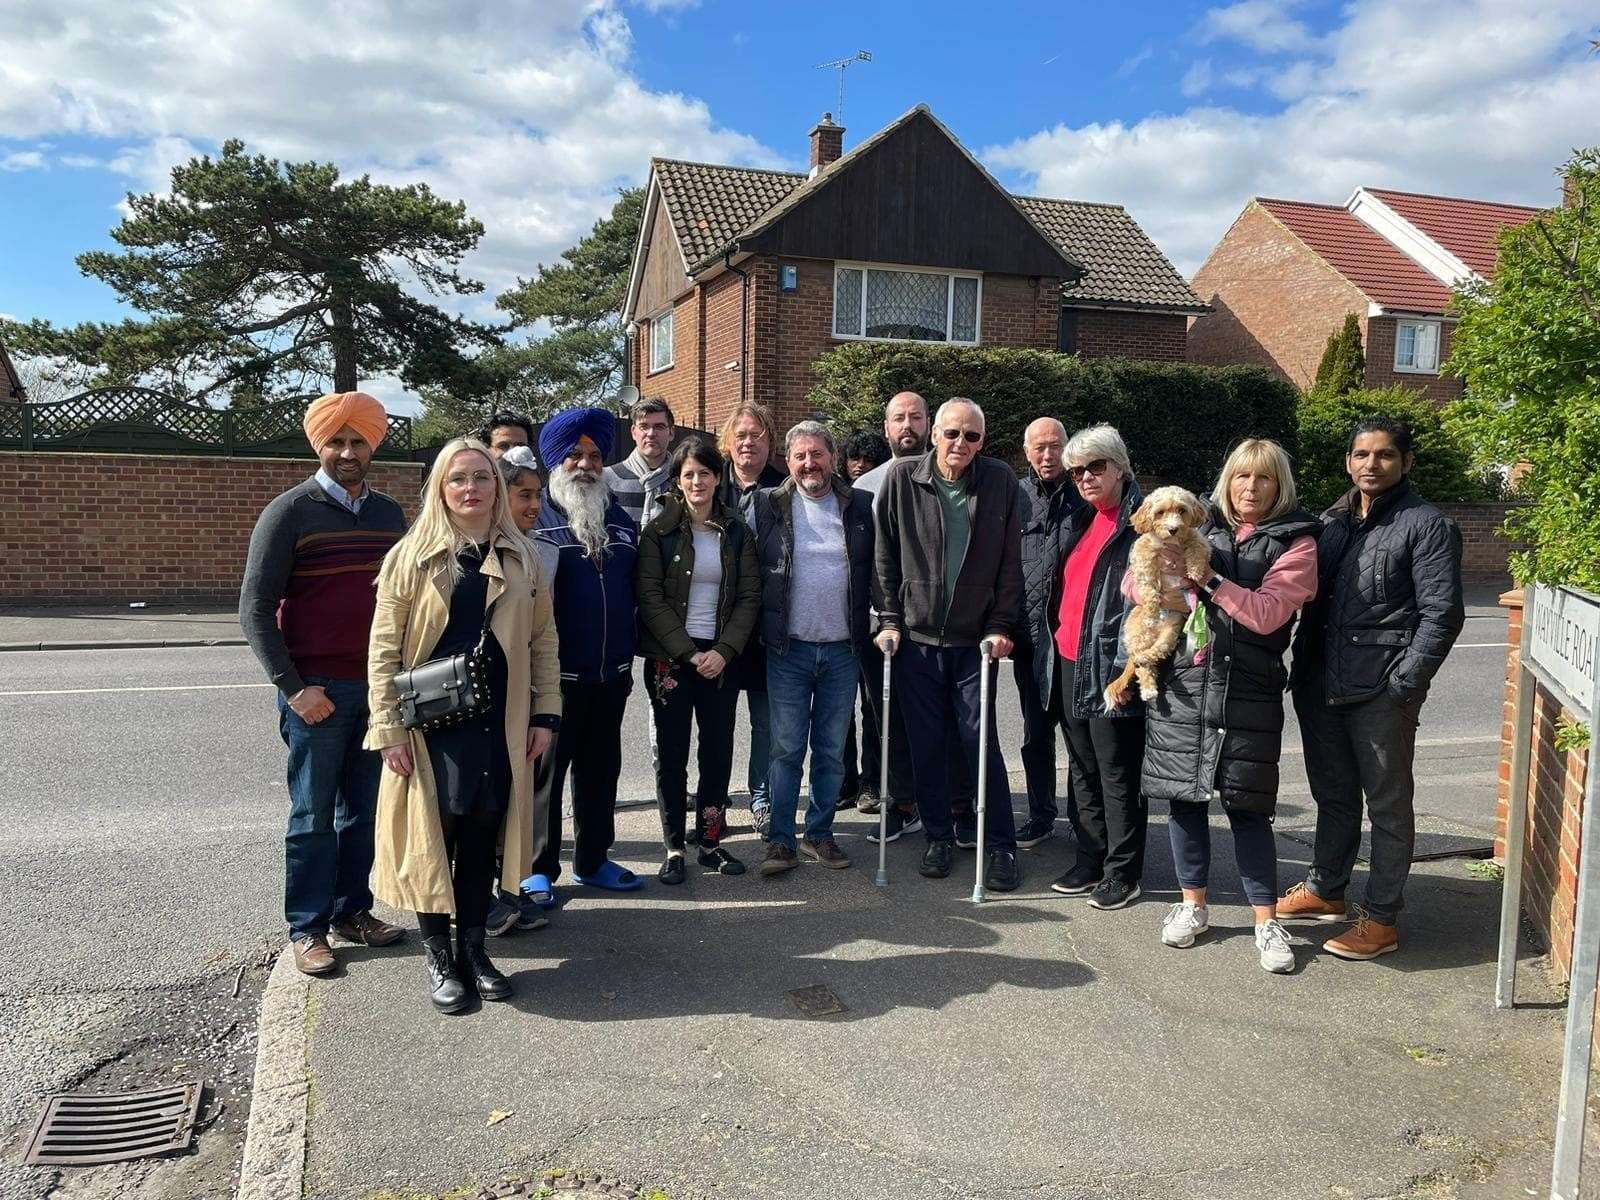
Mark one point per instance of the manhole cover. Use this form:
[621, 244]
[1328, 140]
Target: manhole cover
[84, 1128]
[818, 1000]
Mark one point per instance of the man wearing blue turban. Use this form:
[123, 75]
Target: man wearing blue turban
[587, 544]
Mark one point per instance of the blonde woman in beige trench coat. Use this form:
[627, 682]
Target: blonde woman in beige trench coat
[449, 798]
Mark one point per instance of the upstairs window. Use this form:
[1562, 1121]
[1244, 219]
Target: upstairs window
[1416, 347]
[897, 304]
[661, 341]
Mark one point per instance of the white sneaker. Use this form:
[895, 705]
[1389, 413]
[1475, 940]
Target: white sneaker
[1184, 922]
[1277, 956]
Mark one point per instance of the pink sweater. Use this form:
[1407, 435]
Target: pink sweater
[1289, 583]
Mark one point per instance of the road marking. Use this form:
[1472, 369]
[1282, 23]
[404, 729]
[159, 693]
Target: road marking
[179, 687]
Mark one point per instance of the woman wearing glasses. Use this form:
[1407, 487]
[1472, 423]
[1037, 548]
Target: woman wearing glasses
[463, 581]
[1083, 620]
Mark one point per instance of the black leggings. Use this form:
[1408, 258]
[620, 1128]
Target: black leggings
[1253, 847]
[470, 843]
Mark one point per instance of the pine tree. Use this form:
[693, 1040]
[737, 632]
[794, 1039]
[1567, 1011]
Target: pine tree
[1343, 367]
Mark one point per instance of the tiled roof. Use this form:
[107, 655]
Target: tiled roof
[1124, 266]
[711, 205]
[1466, 228]
[1387, 276]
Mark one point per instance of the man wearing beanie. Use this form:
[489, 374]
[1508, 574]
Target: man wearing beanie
[587, 544]
[306, 607]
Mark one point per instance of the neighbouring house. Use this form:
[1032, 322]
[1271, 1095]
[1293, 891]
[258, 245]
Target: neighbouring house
[1287, 272]
[742, 278]
[10, 382]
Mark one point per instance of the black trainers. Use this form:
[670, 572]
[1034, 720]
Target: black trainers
[719, 860]
[1079, 881]
[966, 831]
[761, 818]
[937, 860]
[1001, 873]
[1035, 831]
[1113, 893]
[899, 824]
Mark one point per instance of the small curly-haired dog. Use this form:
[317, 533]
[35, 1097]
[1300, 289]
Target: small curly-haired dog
[1169, 516]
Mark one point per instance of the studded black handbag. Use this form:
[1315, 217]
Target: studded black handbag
[446, 691]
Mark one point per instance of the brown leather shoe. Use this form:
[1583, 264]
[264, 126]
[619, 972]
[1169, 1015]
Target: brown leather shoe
[1364, 940]
[313, 955]
[826, 852]
[1300, 903]
[364, 929]
[779, 859]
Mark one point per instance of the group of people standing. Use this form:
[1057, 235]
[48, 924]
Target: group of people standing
[796, 589]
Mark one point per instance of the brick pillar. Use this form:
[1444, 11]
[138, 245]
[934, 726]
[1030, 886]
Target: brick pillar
[827, 142]
[1512, 603]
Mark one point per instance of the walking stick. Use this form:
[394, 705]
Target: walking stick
[882, 877]
[984, 651]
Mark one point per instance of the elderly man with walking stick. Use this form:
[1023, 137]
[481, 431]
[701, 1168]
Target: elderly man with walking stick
[948, 591]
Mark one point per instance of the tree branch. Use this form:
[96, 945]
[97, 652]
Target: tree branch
[1569, 271]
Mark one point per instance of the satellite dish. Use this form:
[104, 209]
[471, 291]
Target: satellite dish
[627, 397]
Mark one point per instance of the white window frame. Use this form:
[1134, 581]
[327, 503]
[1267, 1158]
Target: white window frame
[949, 303]
[666, 316]
[1438, 344]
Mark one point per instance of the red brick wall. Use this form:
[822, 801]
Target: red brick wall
[1555, 808]
[1379, 345]
[679, 384]
[1485, 550]
[1274, 301]
[1103, 333]
[723, 308]
[80, 528]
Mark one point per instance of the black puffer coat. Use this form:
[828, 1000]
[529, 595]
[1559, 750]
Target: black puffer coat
[1100, 651]
[1042, 511]
[1216, 729]
[1389, 604]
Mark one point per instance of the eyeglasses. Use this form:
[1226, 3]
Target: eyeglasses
[481, 478]
[971, 435]
[1097, 467]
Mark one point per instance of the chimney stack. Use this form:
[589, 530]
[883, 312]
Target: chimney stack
[827, 142]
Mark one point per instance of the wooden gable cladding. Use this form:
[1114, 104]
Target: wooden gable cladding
[913, 197]
[664, 278]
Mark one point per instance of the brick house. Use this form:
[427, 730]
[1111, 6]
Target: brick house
[742, 278]
[1287, 272]
[10, 382]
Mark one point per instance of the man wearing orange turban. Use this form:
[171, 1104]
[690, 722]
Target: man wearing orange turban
[306, 605]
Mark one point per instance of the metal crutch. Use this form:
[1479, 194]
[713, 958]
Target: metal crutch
[882, 877]
[985, 651]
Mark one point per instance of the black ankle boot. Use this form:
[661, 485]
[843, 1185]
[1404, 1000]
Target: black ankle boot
[449, 993]
[475, 965]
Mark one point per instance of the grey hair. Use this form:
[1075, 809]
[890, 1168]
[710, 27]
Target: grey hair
[1098, 441]
[1047, 421]
[972, 404]
[810, 429]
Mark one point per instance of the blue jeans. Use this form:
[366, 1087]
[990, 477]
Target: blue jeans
[811, 690]
[333, 801]
[760, 747]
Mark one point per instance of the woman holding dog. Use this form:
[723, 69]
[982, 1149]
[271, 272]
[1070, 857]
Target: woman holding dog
[1214, 731]
[463, 581]
[1083, 620]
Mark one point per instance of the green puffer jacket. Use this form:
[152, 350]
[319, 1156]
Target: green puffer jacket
[665, 567]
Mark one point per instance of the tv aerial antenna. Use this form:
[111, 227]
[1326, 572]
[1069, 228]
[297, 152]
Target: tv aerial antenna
[841, 65]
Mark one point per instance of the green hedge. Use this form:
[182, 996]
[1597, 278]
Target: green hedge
[1179, 420]
[1444, 470]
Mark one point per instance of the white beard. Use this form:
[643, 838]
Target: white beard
[584, 497]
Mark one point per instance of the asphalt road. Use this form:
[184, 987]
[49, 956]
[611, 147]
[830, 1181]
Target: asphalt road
[141, 817]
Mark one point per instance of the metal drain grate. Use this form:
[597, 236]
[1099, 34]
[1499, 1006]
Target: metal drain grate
[83, 1128]
[818, 1000]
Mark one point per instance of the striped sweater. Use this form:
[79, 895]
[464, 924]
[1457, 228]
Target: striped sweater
[308, 595]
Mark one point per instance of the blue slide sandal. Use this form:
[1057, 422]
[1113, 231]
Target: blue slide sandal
[538, 889]
[612, 878]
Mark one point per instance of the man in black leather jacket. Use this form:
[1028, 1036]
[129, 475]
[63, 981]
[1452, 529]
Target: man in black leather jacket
[1387, 611]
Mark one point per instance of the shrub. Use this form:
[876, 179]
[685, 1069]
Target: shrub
[1444, 470]
[1343, 365]
[1179, 420]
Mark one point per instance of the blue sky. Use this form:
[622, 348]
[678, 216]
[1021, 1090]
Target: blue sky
[535, 111]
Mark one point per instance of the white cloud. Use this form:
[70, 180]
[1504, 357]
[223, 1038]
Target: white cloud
[1488, 112]
[23, 160]
[1263, 25]
[526, 109]
[1134, 61]
[1197, 80]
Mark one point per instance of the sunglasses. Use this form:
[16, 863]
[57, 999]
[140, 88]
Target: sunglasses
[1096, 468]
[971, 435]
